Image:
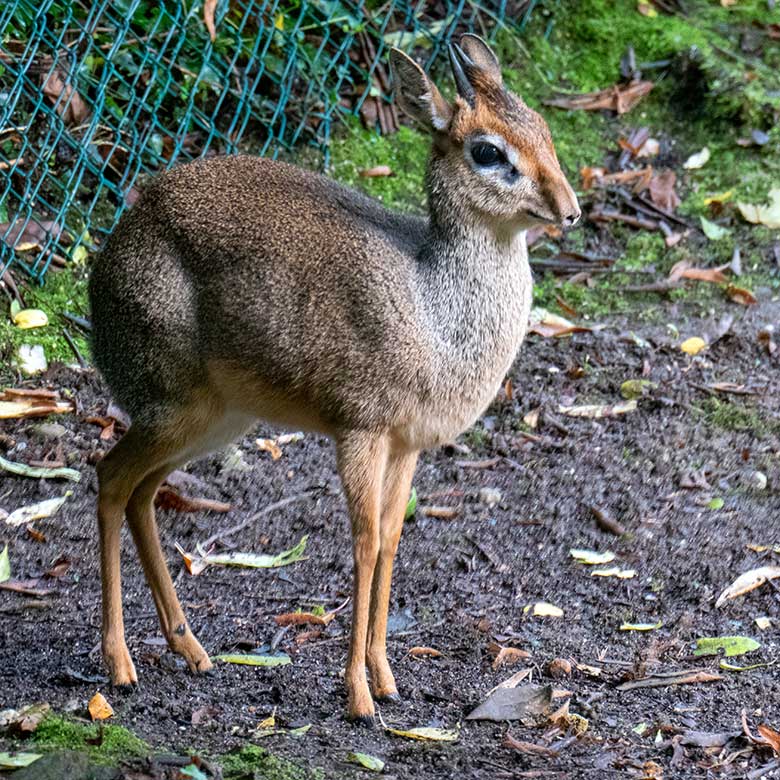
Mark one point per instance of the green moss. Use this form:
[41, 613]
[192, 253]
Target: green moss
[355, 149]
[736, 416]
[115, 742]
[63, 291]
[644, 249]
[255, 762]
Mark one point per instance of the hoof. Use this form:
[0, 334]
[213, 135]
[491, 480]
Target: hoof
[202, 665]
[364, 721]
[388, 698]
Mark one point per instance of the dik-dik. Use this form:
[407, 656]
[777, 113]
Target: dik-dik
[239, 289]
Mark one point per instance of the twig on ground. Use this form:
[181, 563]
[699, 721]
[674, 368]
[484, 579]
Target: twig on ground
[252, 519]
[74, 348]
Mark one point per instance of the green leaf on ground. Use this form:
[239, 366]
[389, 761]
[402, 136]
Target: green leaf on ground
[725, 665]
[636, 388]
[715, 503]
[730, 645]
[411, 506]
[253, 660]
[372, 763]
[39, 472]
[18, 760]
[712, 231]
[197, 563]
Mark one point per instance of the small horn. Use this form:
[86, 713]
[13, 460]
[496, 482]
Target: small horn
[459, 60]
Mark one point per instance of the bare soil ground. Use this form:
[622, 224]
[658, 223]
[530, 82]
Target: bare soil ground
[460, 584]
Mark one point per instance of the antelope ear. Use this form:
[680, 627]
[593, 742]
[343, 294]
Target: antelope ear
[482, 57]
[416, 95]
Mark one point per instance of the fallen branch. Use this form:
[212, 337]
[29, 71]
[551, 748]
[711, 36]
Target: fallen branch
[600, 214]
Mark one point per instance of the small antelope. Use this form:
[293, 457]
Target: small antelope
[239, 289]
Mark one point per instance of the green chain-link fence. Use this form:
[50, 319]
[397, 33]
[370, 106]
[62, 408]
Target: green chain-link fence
[95, 94]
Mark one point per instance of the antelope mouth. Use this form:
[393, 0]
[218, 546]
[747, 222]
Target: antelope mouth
[538, 216]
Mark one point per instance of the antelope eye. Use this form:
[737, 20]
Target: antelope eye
[486, 154]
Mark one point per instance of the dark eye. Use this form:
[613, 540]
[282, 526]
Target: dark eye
[486, 154]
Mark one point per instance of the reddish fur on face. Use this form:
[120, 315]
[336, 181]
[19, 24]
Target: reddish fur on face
[497, 111]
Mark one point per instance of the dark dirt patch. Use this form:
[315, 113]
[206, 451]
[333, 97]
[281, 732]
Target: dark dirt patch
[460, 583]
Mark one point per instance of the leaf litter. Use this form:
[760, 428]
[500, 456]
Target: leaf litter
[20, 403]
[253, 659]
[195, 564]
[37, 511]
[729, 645]
[748, 581]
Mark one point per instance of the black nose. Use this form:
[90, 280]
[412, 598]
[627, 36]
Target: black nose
[571, 219]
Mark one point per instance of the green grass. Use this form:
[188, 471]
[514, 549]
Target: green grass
[64, 290]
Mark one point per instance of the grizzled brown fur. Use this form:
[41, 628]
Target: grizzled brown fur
[240, 288]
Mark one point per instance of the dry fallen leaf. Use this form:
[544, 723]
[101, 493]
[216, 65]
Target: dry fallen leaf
[719, 199]
[591, 557]
[675, 678]
[21, 404]
[640, 626]
[662, 191]
[530, 704]
[25, 319]
[598, 411]
[37, 511]
[424, 652]
[377, 171]
[547, 324]
[274, 446]
[423, 734]
[684, 270]
[698, 160]
[508, 656]
[440, 512]
[66, 100]
[169, 498]
[620, 98]
[532, 418]
[614, 571]
[638, 179]
[544, 609]
[195, 564]
[528, 747]
[209, 9]
[304, 618]
[25, 720]
[748, 581]
[741, 295]
[763, 214]
[99, 708]
[771, 737]
[693, 345]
